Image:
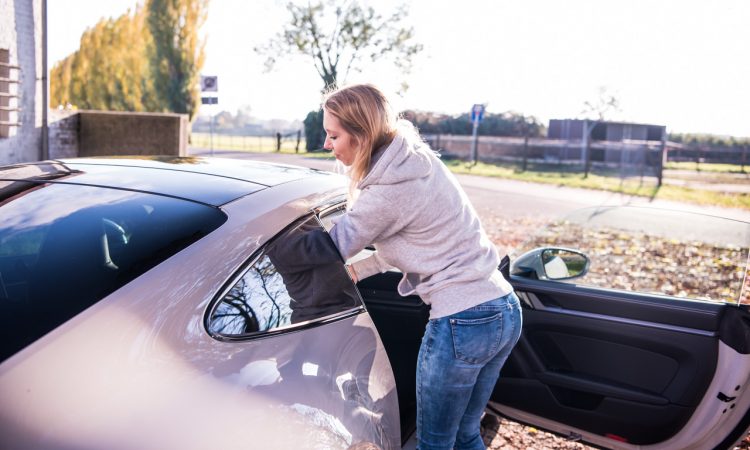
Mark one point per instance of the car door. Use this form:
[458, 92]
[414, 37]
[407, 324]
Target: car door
[644, 342]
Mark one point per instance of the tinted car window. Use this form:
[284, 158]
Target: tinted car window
[297, 278]
[65, 247]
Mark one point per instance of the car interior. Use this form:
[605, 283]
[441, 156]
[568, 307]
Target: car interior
[624, 366]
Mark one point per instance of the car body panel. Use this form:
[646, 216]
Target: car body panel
[139, 370]
[246, 170]
[208, 189]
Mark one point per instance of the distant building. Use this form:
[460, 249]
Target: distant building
[572, 129]
[23, 81]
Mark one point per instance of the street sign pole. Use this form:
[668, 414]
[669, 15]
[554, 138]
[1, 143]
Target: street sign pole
[477, 112]
[210, 83]
[211, 131]
[474, 139]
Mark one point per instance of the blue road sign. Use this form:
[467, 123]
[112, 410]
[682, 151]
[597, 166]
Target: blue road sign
[477, 112]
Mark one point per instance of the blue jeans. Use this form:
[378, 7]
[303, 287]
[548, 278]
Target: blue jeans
[459, 362]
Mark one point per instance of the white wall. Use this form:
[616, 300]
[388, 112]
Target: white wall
[21, 34]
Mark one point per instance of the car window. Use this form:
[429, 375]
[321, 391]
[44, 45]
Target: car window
[64, 247]
[295, 279]
[649, 250]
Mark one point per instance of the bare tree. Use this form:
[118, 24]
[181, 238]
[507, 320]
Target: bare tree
[339, 37]
[599, 108]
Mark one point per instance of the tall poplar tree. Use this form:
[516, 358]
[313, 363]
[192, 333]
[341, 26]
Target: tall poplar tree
[178, 53]
[149, 60]
[110, 70]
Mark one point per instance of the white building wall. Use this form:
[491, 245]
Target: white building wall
[21, 35]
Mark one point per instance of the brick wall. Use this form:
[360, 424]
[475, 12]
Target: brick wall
[21, 36]
[108, 133]
[103, 133]
[63, 134]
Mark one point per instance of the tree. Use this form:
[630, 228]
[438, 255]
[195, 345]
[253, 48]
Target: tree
[314, 138]
[109, 71]
[178, 54]
[340, 38]
[145, 61]
[602, 106]
[503, 124]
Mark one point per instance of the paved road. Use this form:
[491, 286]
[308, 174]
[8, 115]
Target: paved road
[510, 197]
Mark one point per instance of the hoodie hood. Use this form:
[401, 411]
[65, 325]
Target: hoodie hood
[399, 161]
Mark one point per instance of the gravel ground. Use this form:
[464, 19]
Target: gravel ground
[503, 434]
[500, 433]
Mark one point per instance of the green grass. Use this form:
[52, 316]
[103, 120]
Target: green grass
[706, 167]
[606, 181]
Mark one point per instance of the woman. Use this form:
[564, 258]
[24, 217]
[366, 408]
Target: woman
[406, 203]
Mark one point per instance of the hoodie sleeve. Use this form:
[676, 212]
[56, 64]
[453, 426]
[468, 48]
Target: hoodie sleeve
[373, 217]
[370, 266]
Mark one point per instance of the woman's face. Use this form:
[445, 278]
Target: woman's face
[341, 143]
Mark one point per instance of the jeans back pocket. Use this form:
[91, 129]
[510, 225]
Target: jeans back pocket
[476, 341]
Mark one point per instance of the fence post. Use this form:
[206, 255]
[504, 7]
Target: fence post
[662, 158]
[525, 151]
[698, 158]
[744, 152]
[278, 141]
[587, 130]
[299, 137]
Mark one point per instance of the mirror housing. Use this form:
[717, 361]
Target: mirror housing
[551, 263]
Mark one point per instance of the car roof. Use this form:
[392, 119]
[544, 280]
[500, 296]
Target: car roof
[213, 181]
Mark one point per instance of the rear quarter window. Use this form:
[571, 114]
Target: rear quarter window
[290, 283]
[65, 247]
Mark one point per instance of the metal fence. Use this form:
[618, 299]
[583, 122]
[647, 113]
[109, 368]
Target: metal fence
[704, 154]
[495, 148]
[628, 158]
[270, 142]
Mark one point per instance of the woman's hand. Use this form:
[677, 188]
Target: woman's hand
[352, 273]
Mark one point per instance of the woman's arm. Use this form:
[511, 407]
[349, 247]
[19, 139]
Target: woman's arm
[372, 218]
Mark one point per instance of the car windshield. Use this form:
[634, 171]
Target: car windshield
[650, 250]
[64, 247]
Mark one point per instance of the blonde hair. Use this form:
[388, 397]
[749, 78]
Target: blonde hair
[365, 113]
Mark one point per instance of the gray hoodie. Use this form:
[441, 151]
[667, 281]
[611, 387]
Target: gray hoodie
[413, 211]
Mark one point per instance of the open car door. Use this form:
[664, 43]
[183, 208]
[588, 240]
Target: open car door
[636, 330]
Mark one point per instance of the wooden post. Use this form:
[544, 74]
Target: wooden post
[278, 141]
[662, 158]
[525, 151]
[299, 138]
[744, 153]
[587, 130]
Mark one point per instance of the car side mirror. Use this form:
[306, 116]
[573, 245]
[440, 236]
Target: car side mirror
[551, 263]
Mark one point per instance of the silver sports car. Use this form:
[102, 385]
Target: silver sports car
[170, 303]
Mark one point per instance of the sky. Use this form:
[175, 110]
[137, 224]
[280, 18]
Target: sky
[679, 63]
